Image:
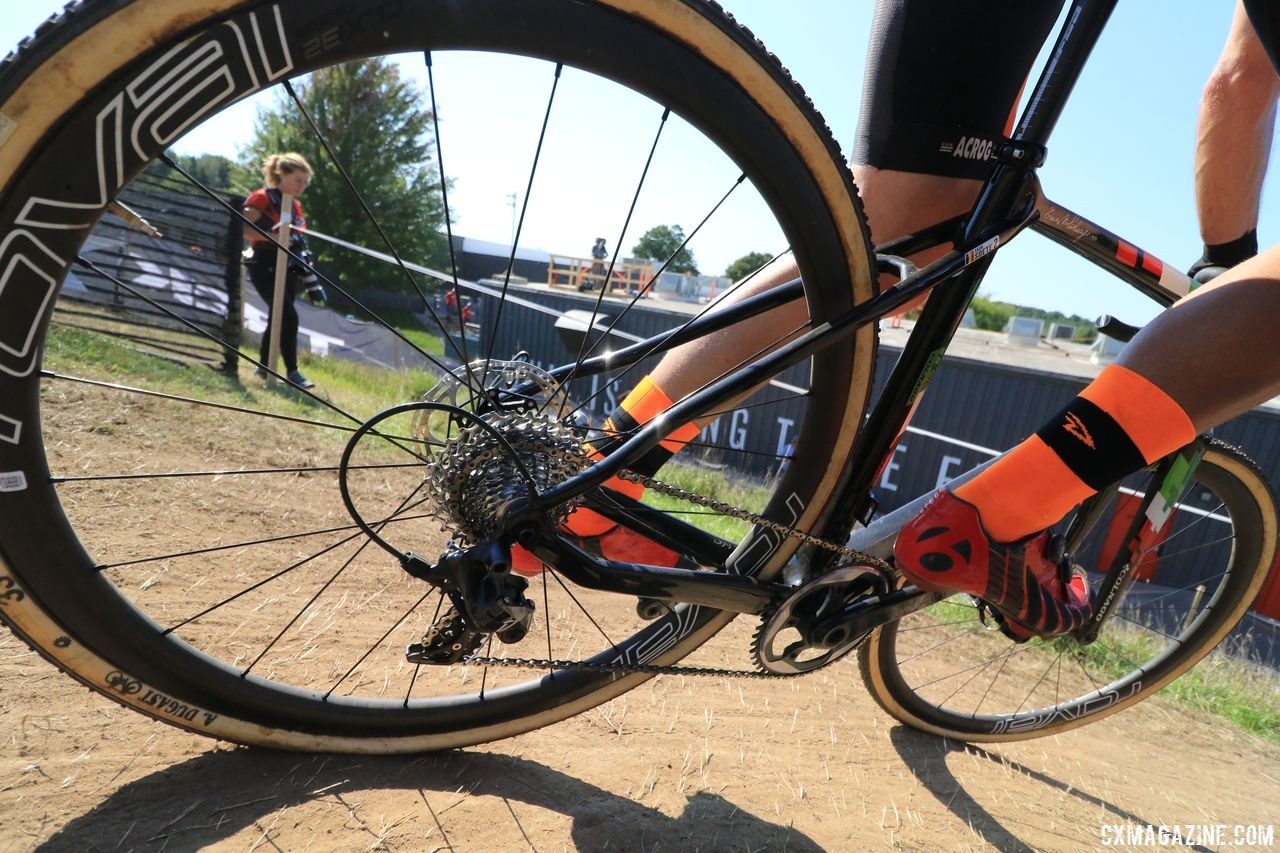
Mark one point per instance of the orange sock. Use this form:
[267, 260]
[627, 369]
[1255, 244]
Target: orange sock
[644, 403]
[1119, 423]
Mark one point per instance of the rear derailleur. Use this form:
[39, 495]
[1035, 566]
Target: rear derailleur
[487, 599]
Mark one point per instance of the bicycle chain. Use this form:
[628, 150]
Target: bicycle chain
[669, 490]
[759, 520]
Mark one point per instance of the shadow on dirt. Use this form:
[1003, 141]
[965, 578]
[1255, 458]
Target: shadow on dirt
[225, 791]
[926, 757]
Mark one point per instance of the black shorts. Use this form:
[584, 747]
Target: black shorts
[1265, 18]
[942, 77]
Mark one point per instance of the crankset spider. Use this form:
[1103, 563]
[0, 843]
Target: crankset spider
[805, 631]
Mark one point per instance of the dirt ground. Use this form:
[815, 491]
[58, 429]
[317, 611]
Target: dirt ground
[681, 763]
[730, 765]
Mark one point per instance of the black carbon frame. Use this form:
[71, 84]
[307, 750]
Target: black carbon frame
[1009, 201]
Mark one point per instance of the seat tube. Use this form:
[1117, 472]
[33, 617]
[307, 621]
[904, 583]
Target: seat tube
[1080, 31]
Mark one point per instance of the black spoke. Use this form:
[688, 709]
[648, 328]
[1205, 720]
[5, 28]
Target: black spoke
[1172, 592]
[325, 586]
[373, 219]
[129, 389]
[1088, 675]
[788, 398]
[584, 610]
[987, 692]
[484, 675]
[652, 279]
[1157, 556]
[975, 629]
[230, 473]
[439, 365]
[980, 665]
[286, 570]
[617, 248]
[448, 225]
[248, 544]
[378, 643]
[767, 348]
[1149, 628]
[662, 341]
[902, 630]
[546, 617]
[280, 573]
[85, 262]
[1203, 517]
[524, 208]
[1057, 662]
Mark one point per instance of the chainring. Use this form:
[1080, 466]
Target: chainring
[792, 621]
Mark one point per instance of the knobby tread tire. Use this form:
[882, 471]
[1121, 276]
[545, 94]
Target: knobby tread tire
[71, 616]
[1235, 473]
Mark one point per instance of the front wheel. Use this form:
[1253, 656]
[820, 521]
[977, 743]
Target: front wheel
[942, 670]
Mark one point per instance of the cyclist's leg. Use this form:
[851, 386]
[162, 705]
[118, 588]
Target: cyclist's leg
[942, 80]
[1233, 141]
[1155, 399]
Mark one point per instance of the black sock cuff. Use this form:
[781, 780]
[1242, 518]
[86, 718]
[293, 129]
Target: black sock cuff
[1232, 252]
[1090, 442]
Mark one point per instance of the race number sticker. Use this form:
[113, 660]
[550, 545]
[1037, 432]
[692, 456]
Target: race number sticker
[13, 481]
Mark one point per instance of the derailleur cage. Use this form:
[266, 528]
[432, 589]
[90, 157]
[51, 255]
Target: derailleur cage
[487, 599]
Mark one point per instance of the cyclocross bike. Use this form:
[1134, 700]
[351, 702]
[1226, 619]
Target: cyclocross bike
[256, 574]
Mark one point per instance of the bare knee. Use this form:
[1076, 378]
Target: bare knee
[899, 203]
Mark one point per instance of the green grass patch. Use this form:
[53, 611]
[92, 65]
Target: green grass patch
[362, 390]
[1246, 694]
[411, 326]
[736, 490]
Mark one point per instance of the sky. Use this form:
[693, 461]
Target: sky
[1121, 155]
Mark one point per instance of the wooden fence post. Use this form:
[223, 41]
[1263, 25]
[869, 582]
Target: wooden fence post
[234, 321]
[282, 271]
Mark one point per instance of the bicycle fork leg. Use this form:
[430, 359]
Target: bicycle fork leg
[1165, 488]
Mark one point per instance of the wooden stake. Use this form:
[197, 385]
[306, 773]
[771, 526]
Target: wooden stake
[283, 233]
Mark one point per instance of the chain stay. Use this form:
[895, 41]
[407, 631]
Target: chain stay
[687, 496]
[656, 669]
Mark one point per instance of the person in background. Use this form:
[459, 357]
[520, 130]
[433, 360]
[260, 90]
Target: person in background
[282, 174]
[598, 254]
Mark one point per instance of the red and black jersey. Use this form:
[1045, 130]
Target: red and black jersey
[268, 201]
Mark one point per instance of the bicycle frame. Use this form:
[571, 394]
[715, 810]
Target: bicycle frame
[1009, 202]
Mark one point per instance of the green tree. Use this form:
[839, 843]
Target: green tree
[374, 121]
[658, 244]
[746, 265]
[992, 316]
[213, 170]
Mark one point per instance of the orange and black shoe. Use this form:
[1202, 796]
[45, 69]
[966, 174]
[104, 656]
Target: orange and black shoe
[945, 549]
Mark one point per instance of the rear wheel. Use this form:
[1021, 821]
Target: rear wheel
[944, 671]
[193, 559]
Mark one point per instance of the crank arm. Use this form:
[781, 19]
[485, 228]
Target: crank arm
[866, 615]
